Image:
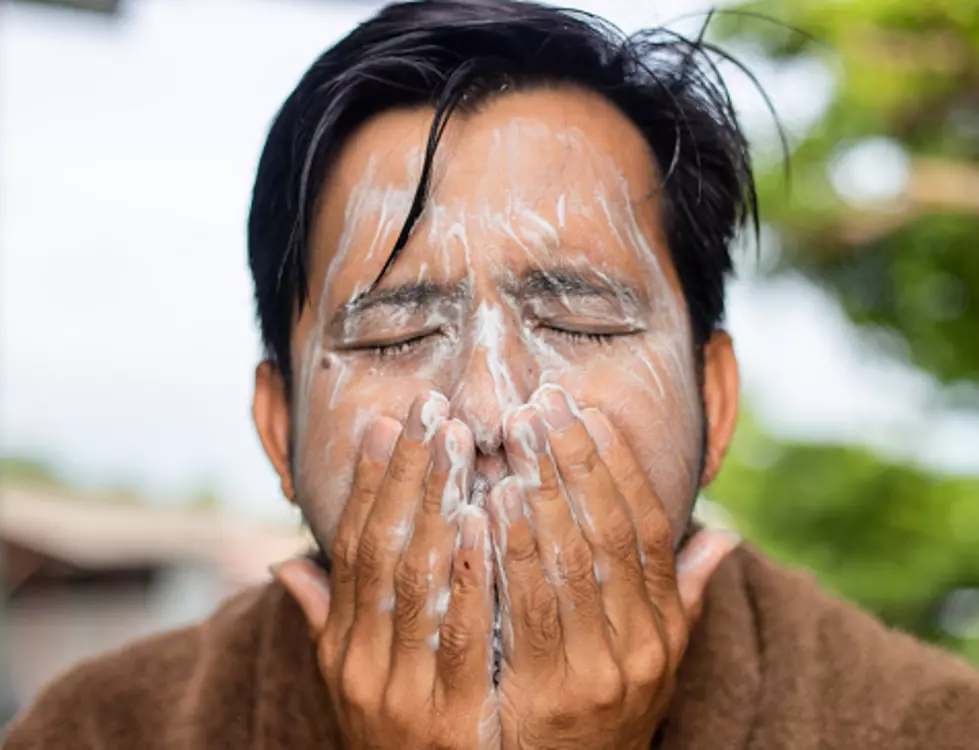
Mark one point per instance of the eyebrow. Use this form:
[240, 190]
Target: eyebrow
[562, 282]
[408, 295]
[414, 296]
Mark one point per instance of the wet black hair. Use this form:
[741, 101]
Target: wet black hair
[449, 54]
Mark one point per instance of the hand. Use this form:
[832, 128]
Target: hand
[406, 664]
[596, 618]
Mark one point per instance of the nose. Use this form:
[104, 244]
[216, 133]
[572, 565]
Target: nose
[485, 393]
[487, 388]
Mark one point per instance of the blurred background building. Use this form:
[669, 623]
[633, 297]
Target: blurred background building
[84, 572]
[133, 493]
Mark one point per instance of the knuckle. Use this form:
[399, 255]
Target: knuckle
[520, 550]
[370, 553]
[397, 708]
[541, 615]
[658, 572]
[660, 530]
[403, 466]
[366, 480]
[355, 688]
[632, 483]
[647, 664]
[605, 688]
[412, 588]
[412, 581]
[434, 491]
[345, 556]
[330, 650]
[549, 484]
[618, 538]
[562, 716]
[454, 642]
[657, 540]
[654, 526]
[576, 561]
[581, 461]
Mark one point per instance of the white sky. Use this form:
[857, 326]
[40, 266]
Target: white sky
[127, 340]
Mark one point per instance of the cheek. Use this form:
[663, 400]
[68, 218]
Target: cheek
[656, 410]
[340, 407]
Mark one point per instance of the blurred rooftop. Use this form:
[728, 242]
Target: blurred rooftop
[92, 535]
[83, 575]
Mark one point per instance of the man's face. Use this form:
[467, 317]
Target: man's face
[540, 258]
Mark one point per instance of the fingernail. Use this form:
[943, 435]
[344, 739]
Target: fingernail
[553, 404]
[525, 429]
[441, 460]
[472, 530]
[734, 538]
[512, 499]
[689, 560]
[598, 428]
[453, 447]
[317, 581]
[381, 437]
[427, 413]
[705, 545]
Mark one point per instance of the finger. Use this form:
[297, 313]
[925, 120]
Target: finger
[371, 465]
[453, 462]
[604, 522]
[422, 577]
[530, 623]
[655, 539]
[308, 584]
[465, 637]
[386, 533]
[564, 553]
[696, 564]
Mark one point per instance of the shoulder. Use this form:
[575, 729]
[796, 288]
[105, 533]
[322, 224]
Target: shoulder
[143, 694]
[862, 683]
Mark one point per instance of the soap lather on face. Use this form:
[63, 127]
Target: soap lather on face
[537, 260]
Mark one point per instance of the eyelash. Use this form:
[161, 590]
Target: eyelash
[384, 351]
[602, 339]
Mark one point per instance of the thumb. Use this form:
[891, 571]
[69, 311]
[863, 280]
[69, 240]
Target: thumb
[697, 562]
[308, 584]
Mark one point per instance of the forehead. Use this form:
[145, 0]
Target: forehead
[561, 170]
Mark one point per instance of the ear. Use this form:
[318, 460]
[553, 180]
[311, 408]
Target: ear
[721, 392]
[270, 410]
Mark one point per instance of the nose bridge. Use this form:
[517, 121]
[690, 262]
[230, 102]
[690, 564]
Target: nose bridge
[490, 383]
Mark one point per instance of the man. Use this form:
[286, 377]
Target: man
[489, 244]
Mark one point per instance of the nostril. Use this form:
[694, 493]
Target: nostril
[494, 466]
[488, 439]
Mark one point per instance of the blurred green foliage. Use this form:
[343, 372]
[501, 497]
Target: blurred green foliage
[29, 471]
[894, 538]
[889, 536]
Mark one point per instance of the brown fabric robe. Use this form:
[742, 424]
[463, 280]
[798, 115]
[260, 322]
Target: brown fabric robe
[773, 663]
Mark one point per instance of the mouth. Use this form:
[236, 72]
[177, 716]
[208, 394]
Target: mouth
[489, 472]
[481, 487]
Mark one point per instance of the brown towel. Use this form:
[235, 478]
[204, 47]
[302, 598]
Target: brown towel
[774, 663]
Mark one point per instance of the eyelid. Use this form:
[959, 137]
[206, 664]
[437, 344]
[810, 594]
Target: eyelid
[591, 330]
[368, 345]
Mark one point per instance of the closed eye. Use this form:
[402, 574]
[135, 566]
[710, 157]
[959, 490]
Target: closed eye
[584, 336]
[396, 348]
[594, 338]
